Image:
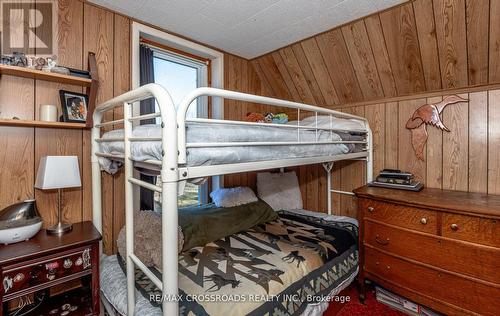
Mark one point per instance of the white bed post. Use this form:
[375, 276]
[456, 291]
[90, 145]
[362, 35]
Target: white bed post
[170, 247]
[129, 209]
[328, 169]
[170, 178]
[96, 176]
[369, 159]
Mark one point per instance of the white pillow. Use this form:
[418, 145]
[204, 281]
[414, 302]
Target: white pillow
[233, 196]
[280, 190]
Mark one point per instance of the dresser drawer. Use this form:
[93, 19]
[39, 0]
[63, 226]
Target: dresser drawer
[44, 271]
[451, 255]
[470, 228]
[461, 292]
[399, 215]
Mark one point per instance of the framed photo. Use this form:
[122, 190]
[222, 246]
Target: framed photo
[74, 106]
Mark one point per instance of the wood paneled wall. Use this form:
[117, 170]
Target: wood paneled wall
[240, 75]
[423, 45]
[465, 159]
[82, 28]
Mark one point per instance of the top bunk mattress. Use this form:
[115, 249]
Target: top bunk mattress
[200, 132]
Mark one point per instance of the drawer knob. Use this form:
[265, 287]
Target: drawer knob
[381, 242]
[454, 227]
[370, 209]
[423, 221]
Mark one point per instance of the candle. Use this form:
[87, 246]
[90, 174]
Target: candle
[48, 113]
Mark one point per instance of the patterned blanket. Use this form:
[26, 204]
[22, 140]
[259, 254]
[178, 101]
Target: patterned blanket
[274, 269]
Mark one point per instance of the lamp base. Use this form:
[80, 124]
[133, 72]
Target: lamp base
[59, 229]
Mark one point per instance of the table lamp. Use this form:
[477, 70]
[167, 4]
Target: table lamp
[58, 172]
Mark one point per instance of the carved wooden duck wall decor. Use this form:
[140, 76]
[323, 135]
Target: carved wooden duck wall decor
[424, 115]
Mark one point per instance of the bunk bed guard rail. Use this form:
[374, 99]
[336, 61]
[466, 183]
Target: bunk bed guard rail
[174, 167]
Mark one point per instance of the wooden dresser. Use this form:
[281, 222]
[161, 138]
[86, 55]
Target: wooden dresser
[438, 248]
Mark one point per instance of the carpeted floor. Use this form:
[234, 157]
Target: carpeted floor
[353, 308]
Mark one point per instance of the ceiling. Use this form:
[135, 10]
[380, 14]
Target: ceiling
[247, 28]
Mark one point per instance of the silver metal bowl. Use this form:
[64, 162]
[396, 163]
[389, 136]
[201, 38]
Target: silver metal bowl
[19, 215]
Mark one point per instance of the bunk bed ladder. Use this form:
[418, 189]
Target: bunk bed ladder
[169, 188]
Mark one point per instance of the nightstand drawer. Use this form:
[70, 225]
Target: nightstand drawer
[46, 270]
[470, 228]
[399, 215]
[461, 292]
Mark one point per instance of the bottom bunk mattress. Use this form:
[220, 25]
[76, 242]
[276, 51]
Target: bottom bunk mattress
[290, 266]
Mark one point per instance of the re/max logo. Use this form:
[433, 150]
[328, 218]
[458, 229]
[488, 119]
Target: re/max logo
[28, 27]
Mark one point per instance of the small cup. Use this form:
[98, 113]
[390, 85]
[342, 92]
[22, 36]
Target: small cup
[48, 112]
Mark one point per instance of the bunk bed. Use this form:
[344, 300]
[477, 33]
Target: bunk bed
[184, 149]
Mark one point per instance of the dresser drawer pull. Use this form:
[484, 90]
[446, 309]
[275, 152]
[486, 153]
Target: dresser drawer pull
[370, 209]
[454, 227]
[423, 221]
[381, 242]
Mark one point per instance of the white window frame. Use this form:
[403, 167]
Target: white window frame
[216, 58]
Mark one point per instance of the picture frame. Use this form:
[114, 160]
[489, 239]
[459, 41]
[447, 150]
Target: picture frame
[74, 106]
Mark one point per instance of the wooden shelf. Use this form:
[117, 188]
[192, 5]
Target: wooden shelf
[43, 124]
[91, 84]
[44, 75]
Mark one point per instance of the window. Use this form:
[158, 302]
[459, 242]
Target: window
[180, 75]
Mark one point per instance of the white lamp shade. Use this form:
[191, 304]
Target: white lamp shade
[58, 172]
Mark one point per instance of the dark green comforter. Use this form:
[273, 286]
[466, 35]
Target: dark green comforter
[203, 224]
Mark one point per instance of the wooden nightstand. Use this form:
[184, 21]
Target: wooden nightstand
[46, 261]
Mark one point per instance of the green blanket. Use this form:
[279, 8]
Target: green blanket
[204, 224]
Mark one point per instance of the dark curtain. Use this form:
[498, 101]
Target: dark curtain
[147, 106]
[147, 75]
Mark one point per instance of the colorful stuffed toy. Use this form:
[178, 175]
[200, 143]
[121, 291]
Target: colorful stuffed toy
[255, 117]
[268, 118]
[280, 118]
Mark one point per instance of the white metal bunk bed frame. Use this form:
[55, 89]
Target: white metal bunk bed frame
[175, 170]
